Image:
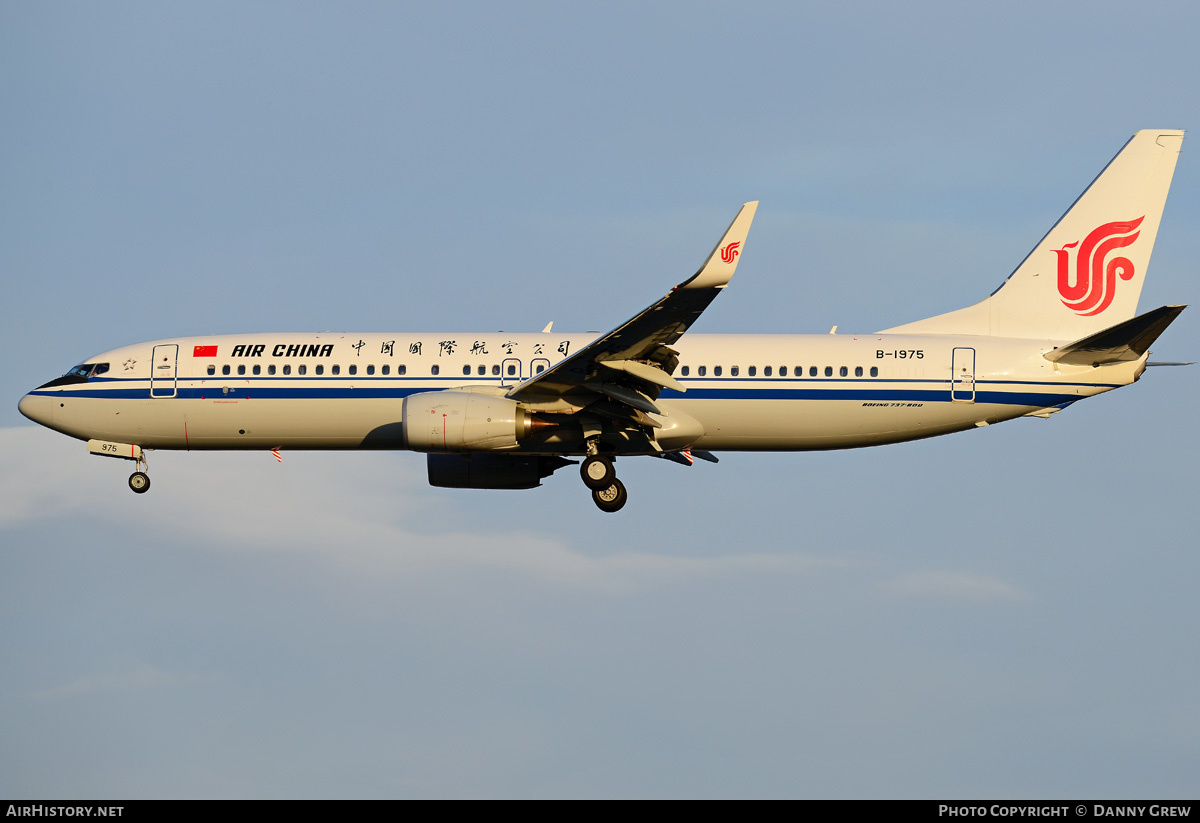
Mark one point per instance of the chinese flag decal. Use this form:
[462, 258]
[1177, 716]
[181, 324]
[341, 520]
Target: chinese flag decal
[204, 351]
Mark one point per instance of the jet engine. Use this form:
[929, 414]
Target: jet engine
[463, 421]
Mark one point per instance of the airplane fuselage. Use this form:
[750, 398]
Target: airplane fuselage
[746, 392]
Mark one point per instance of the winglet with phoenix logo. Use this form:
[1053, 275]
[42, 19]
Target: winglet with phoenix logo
[718, 269]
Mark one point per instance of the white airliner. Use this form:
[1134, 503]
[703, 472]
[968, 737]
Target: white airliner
[502, 411]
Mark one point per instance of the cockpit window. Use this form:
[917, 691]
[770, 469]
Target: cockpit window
[86, 370]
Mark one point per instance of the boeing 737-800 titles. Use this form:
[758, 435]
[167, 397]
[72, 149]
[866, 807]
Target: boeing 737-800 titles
[504, 411]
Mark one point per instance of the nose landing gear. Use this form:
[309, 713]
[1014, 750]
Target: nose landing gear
[139, 481]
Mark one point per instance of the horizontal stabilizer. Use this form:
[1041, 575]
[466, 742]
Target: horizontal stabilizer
[1120, 343]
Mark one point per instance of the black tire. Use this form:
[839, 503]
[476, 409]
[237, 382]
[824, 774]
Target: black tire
[139, 482]
[598, 472]
[611, 499]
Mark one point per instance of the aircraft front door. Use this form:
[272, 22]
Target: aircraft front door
[510, 372]
[962, 378]
[163, 365]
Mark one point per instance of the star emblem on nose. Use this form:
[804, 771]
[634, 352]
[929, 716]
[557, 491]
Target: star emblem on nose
[129, 364]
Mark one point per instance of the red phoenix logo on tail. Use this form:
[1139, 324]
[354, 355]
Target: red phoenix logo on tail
[1096, 276]
[730, 252]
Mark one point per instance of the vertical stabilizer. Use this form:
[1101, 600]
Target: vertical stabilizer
[1087, 272]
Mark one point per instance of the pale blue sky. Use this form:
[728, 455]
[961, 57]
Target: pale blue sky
[1007, 612]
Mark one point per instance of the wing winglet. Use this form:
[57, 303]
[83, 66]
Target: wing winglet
[718, 269]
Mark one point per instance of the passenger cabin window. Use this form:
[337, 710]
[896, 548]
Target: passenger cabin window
[301, 369]
[716, 371]
[225, 370]
[783, 371]
[844, 372]
[257, 369]
[242, 369]
[320, 369]
[384, 370]
[858, 371]
[481, 371]
[496, 371]
[684, 371]
[541, 368]
[812, 371]
[271, 369]
[335, 370]
[371, 369]
[212, 369]
[434, 370]
[401, 369]
[287, 368]
[733, 371]
[752, 370]
[512, 370]
[701, 370]
[352, 370]
[874, 371]
[466, 369]
[767, 371]
[829, 371]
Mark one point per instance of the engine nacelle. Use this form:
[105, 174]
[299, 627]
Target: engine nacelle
[462, 421]
[490, 471]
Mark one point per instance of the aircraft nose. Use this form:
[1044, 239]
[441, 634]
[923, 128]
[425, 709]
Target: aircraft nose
[36, 408]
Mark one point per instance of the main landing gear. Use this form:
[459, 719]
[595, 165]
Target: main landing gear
[599, 475]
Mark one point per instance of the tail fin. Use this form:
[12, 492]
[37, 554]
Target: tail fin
[1087, 272]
